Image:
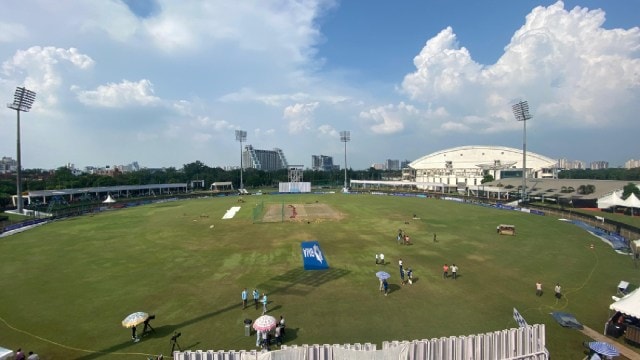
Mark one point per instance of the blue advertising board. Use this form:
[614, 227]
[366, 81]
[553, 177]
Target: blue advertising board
[312, 256]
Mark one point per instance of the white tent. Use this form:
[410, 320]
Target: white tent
[610, 200]
[628, 305]
[632, 201]
[109, 200]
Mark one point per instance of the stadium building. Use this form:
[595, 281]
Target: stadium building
[267, 160]
[468, 165]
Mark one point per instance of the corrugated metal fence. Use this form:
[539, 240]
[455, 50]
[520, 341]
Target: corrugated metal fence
[513, 344]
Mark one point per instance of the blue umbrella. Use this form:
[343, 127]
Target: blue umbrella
[603, 348]
[383, 275]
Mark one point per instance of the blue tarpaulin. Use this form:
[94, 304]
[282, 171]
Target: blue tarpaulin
[312, 256]
[566, 320]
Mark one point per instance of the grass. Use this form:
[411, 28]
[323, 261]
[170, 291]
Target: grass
[68, 284]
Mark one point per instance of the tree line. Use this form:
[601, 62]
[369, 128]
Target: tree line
[63, 178]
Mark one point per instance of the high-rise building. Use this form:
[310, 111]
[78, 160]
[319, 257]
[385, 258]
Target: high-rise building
[630, 164]
[570, 164]
[322, 162]
[597, 165]
[8, 165]
[392, 164]
[267, 160]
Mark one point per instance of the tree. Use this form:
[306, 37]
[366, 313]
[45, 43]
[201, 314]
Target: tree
[629, 189]
[487, 178]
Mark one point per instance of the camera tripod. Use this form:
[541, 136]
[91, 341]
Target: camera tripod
[174, 342]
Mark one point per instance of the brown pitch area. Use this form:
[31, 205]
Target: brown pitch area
[312, 212]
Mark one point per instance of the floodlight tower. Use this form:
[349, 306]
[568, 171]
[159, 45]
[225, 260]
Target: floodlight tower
[345, 137]
[521, 113]
[22, 101]
[241, 136]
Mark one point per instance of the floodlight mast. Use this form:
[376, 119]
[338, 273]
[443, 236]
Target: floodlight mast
[345, 137]
[521, 113]
[241, 136]
[23, 98]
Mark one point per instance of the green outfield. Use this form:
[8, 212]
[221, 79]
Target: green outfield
[67, 285]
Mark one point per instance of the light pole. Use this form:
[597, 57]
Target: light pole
[521, 112]
[345, 137]
[22, 101]
[241, 136]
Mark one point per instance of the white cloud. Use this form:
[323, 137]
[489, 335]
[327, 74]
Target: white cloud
[563, 62]
[250, 95]
[120, 95]
[300, 116]
[42, 66]
[257, 26]
[389, 119]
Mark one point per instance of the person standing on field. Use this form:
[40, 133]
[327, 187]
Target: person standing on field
[558, 291]
[244, 298]
[264, 303]
[256, 296]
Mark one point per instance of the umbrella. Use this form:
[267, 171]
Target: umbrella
[383, 275]
[603, 348]
[264, 323]
[135, 319]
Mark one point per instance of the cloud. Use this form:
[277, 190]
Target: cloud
[389, 119]
[119, 95]
[300, 116]
[560, 60]
[41, 69]
[42, 62]
[250, 95]
[257, 26]
[328, 131]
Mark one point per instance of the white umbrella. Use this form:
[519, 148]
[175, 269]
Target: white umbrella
[264, 323]
[135, 319]
[383, 275]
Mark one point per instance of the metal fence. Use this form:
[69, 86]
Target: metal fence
[528, 342]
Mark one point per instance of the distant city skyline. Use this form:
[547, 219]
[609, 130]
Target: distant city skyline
[8, 164]
[168, 82]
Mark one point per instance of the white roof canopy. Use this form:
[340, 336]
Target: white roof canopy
[628, 305]
[610, 200]
[632, 201]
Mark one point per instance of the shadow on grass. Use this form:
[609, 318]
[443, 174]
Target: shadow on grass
[290, 334]
[290, 281]
[277, 284]
[160, 332]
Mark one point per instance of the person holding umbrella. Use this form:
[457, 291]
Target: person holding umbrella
[383, 276]
[134, 320]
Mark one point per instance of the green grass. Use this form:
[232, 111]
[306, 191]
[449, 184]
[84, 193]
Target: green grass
[67, 285]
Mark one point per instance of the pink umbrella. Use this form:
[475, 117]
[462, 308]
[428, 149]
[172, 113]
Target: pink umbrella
[264, 323]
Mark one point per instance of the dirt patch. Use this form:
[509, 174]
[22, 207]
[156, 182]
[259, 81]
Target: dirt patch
[301, 213]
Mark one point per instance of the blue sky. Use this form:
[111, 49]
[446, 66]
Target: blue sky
[166, 82]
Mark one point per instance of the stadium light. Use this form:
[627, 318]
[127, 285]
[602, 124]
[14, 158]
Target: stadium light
[521, 113]
[22, 101]
[345, 137]
[241, 136]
